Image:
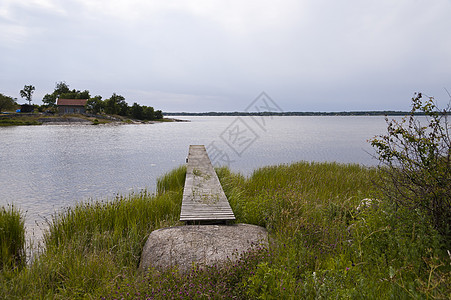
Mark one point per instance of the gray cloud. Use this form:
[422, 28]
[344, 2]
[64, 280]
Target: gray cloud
[218, 55]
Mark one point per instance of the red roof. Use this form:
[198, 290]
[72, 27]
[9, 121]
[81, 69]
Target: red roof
[72, 102]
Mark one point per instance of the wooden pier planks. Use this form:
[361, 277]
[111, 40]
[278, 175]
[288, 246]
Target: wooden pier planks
[203, 197]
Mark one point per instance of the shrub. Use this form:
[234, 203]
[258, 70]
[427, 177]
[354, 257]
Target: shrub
[416, 163]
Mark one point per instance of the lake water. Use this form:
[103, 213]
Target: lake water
[46, 168]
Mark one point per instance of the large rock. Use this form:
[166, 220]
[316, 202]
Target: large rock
[200, 244]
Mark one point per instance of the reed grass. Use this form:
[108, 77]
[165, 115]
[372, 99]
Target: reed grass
[321, 244]
[89, 244]
[12, 238]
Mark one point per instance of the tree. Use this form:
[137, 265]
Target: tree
[61, 88]
[95, 105]
[116, 105]
[6, 102]
[75, 94]
[136, 111]
[158, 114]
[27, 92]
[139, 112]
[49, 100]
[83, 95]
[415, 160]
[148, 113]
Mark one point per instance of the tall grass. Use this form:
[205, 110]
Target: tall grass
[12, 238]
[321, 244]
[301, 190]
[324, 247]
[88, 245]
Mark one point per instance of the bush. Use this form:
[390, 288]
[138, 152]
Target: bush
[416, 163]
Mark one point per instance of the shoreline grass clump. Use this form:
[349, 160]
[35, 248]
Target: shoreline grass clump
[12, 238]
[88, 245]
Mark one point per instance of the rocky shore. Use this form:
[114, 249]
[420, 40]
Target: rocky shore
[17, 119]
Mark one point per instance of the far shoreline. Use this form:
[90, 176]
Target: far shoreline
[292, 114]
[29, 119]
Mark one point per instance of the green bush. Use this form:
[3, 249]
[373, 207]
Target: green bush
[416, 160]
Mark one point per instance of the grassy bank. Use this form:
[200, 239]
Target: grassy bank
[17, 119]
[322, 246]
[7, 120]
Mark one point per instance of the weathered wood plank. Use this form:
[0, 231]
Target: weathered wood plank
[203, 196]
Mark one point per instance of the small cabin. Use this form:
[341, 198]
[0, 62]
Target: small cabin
[71, 106]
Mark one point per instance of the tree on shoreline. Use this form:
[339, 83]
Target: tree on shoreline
[27, 93]
[61, 88]
[6, 102]
[115, 105]
[95, 105]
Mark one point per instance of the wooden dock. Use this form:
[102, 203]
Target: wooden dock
[204, 201]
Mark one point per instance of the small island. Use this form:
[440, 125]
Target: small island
[66, 106]
[19, 119]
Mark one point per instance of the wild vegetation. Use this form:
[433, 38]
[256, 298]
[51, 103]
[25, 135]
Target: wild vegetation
[417, 160]
[334, 230]
[324, 243]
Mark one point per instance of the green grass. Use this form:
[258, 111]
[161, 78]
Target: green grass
[19, 121]
[12, 238]
[33, 119]
[90, 244]
[165, 119]
[321, 246]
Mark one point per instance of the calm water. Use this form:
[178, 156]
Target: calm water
[46, 168]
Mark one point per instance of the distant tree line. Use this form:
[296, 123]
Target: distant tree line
[295, 113]
[115, 105]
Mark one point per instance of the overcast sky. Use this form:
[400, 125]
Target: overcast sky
[207, 55]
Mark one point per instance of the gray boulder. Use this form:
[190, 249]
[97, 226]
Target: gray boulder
[202, 245]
